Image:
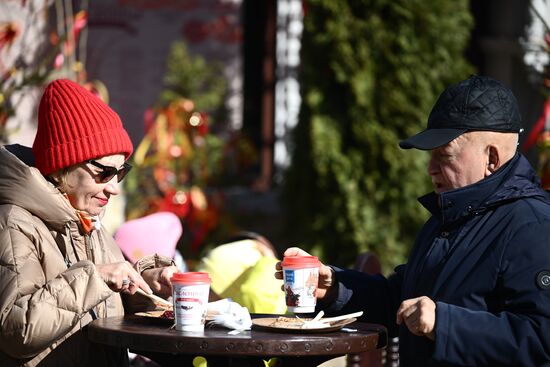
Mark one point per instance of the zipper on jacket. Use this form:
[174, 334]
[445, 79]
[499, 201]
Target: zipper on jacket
[68, 261]
[91, 256]
[89, 247]
[92, 311]
[63, 248]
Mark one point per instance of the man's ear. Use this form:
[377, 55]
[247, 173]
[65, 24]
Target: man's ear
[494, 159]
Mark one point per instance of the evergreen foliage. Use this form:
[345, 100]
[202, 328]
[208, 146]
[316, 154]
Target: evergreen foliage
[181, 163]
[192, 76]
[371, 71]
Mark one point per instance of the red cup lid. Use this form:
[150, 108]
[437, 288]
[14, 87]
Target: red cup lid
[301, 261]
[191, 277]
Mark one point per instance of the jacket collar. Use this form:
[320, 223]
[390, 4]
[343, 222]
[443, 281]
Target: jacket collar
[24, 186]
[513, 180]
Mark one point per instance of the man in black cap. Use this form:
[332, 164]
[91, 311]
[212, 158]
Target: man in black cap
[476, 288]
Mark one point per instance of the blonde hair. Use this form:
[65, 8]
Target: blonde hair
[60, 178]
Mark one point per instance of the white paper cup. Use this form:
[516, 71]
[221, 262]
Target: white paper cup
[301, 276]
[190, 296]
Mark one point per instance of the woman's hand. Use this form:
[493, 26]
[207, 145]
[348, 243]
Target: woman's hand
[159, 279]
[122, 277]
[326, 273]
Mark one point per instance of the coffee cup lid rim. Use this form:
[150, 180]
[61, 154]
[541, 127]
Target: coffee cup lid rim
[191, 277]
[300, 261]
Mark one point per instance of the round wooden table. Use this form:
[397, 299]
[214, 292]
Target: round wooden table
[155, 338]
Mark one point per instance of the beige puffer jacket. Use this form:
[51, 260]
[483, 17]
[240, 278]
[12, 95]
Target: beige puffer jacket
[49, 286]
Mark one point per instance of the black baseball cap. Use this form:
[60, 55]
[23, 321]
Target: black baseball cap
[478, 103]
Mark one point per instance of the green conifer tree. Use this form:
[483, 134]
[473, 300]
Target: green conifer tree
[371, 71]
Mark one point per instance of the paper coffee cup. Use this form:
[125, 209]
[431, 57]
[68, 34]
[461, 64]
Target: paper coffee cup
[190, 296]
[301, 275]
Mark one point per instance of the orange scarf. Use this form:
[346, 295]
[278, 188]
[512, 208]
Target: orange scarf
[86, 219]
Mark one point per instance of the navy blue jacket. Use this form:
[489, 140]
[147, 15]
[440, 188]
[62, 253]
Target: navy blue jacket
[492, 287]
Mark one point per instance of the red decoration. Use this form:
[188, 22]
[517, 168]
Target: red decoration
[538, 128]
[177, 166]
[79, 23]
[8, 34]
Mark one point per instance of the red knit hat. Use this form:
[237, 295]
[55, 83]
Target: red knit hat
[73, 126]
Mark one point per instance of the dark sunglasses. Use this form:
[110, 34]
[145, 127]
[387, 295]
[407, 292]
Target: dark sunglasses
[108, 172]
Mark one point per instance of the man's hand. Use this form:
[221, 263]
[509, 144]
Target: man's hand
[159, 279]
[419, 316]
[326, 274]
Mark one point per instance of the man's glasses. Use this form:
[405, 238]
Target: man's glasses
[108, 172]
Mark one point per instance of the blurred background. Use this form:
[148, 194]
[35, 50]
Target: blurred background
[280, 117]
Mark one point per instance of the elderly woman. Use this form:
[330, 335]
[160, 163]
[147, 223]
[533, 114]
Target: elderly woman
[59, 269]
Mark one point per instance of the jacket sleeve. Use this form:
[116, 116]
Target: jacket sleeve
[35, 313]
[375, 295]
[153, 261]
[138, 302]
[518, 332]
